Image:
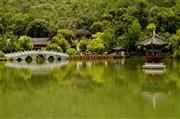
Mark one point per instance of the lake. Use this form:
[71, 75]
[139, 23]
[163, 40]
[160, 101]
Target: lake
[100, 89]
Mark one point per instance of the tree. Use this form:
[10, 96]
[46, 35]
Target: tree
[71, 51]
[3, 44]
[96, 27]
[54, 47]
[13, 45]
[109, 38]
[38, 28]
[83, 44]
[67, 34]
[96, 44]
[151, 27]
[61, 41]
[25, 43]
[133, 34]
[176, 38]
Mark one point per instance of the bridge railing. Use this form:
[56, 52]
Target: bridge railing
[34, 52]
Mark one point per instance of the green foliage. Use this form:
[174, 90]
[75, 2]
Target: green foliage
[1, 53]
[96, 27]
[13, 45]
[176, 42]
[176, 37]
[61, 41]
[67, 34]
[26, 43]
[3, 43]
[71, 51]
[96, 44]
[83, 45]
[38, 28]
[123, 22]
[133, 33]
[151, 27]
[109, 38]
[177, 54]
[54, 47]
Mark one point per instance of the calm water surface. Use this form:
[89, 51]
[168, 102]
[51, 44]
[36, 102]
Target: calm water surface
[90, 90]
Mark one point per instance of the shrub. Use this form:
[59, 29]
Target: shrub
[83, 45]
[54, 47]
[66, 33]
[96, 27]
[71, 51]
[96, 44]
[25, 43]
[61, 41]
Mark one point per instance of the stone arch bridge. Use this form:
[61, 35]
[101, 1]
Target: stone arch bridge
[19, 56]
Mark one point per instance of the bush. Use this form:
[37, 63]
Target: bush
[83, 45]
[66, 33]
[25, 43]
[96, 27]
[71, 51]
[1, 53]
[61, 41]
[96, 44]
[54, 47]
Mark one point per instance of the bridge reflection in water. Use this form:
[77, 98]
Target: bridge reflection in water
[39, 62]
[38, 69]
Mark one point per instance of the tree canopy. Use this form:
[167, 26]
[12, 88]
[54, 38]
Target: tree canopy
[123, 22]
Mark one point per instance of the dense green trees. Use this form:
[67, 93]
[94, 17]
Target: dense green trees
[25, 43]
[97, 43]
[38, 28]
[123, 22]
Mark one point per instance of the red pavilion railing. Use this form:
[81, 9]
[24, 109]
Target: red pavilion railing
[155, 59]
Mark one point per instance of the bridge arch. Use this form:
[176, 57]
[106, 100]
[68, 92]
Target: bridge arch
[51, 59]
[28, 59]
[32, 56]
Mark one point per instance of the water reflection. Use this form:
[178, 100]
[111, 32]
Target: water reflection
[42, 68]
[154, 88]
[103, 89]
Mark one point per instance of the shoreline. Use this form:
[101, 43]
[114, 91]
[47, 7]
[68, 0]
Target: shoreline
[89, 57]
[94, 57]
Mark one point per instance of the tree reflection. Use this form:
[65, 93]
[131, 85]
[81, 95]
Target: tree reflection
[13, 79]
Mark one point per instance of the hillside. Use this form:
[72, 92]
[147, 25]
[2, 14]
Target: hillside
[123, 22]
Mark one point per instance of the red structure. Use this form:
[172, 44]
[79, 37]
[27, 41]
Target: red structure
[154, 59]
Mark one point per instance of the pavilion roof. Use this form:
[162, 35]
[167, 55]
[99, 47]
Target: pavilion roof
[154, 40]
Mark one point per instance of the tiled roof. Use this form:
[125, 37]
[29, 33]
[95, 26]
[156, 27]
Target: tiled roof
[40, 41]
[155, 40]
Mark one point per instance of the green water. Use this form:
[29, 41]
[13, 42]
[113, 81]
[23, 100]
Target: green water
[114, 89]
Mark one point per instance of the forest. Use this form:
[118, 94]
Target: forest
[96, 25]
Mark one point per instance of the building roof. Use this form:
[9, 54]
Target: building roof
[40, 41]
[154, 40]
[118, 48]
